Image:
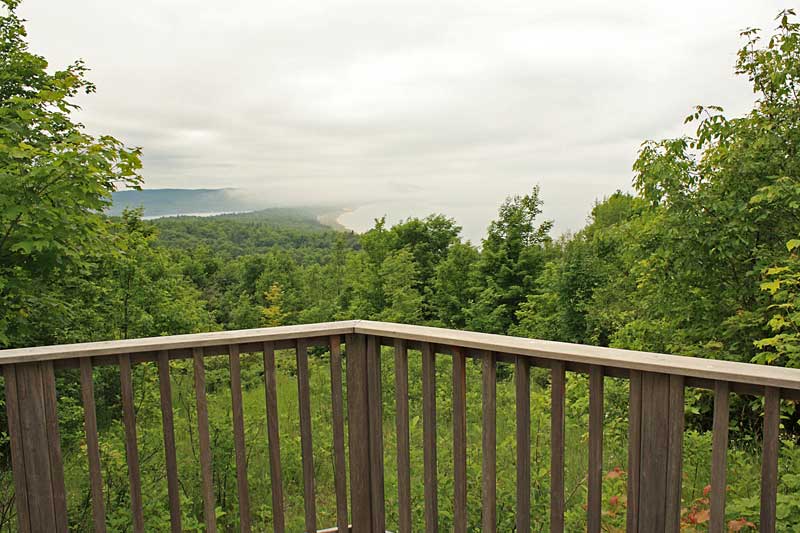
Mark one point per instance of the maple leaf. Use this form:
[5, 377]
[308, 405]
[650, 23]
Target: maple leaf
[738, 524]
[702, 516]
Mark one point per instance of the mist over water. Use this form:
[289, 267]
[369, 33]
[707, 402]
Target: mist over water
[399, 107]
[474, 209]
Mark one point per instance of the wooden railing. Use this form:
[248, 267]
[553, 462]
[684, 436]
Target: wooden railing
[656, 424]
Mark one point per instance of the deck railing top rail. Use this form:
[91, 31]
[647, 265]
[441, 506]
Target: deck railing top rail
[694, 367]
[656, 386]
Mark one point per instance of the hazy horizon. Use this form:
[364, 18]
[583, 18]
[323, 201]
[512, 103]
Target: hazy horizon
[399, 108]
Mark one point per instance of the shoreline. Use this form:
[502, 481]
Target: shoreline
[332, 219]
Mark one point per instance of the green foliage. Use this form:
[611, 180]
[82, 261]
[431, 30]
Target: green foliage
[695, 262]
[55, 180]
[512, 258]
[253, 233]
[783, 285]
[455, 285]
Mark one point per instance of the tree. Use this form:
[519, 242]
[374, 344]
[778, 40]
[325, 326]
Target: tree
[428, 240]
[271, 312]
[398, 274]
[454, 285]
[782, 282]
[728, 200]
[55, 181]
[512, 258]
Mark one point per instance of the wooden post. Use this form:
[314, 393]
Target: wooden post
[366, 464]
[656, 432]
[35, 447]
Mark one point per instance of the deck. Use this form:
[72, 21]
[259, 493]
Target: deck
[656, 423]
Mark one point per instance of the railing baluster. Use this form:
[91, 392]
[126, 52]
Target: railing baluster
[429, 438]
[46, 511]
[403, 452]
[306, 444]
[719, 453]
[339, 474]
[273, 438]
[169, 442]
[656, 427]
[375, 409]
[358, 426]
[131, 447]
[240, 452]
[17, 456]
[92, 445]
[769, 462]
[54, 446]
[594, 508]
[634, 450]
[38, 469]
[675, 454]
[459, 441]
[522, 380]
[209, 502]
[653, 452]
[489, 443]
[558, 394]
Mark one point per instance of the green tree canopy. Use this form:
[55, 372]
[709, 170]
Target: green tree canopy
[55, 179]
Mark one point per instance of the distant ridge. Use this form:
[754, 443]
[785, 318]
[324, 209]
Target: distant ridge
[165, 202]
[233, 204]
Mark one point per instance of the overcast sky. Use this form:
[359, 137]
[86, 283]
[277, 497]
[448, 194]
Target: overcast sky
[399, 107]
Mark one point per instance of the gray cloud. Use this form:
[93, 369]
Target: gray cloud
[405, 106]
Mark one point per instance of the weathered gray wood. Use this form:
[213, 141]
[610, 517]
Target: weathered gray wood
[323, 342]
[523, 397]
[375, 413]
[187, 353]
[209, 502]
[337, 405]
[131, 447]
[216, 342]
[558, 395]
[54, 446]
[634, 450]
[306, 443]
[173, 488]
[358, 426]
[769, 461]
[242, 490]
[489, 444]
[403, 438]
[592, 355]
[17, 454]
[611, 358]
[273, 438]
[719, 456]
[654, 456]
[92, 446]
[431, 489]
[661, 463]
[595, 483]
[674, 481]
[35, 447]
[459, 442]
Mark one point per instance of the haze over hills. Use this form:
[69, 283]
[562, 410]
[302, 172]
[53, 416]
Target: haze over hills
[166, 202]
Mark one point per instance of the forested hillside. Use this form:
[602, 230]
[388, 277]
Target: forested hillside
[701, 259]
[169, 202]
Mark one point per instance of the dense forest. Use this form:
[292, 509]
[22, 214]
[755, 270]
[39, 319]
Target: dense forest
[701, 259]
